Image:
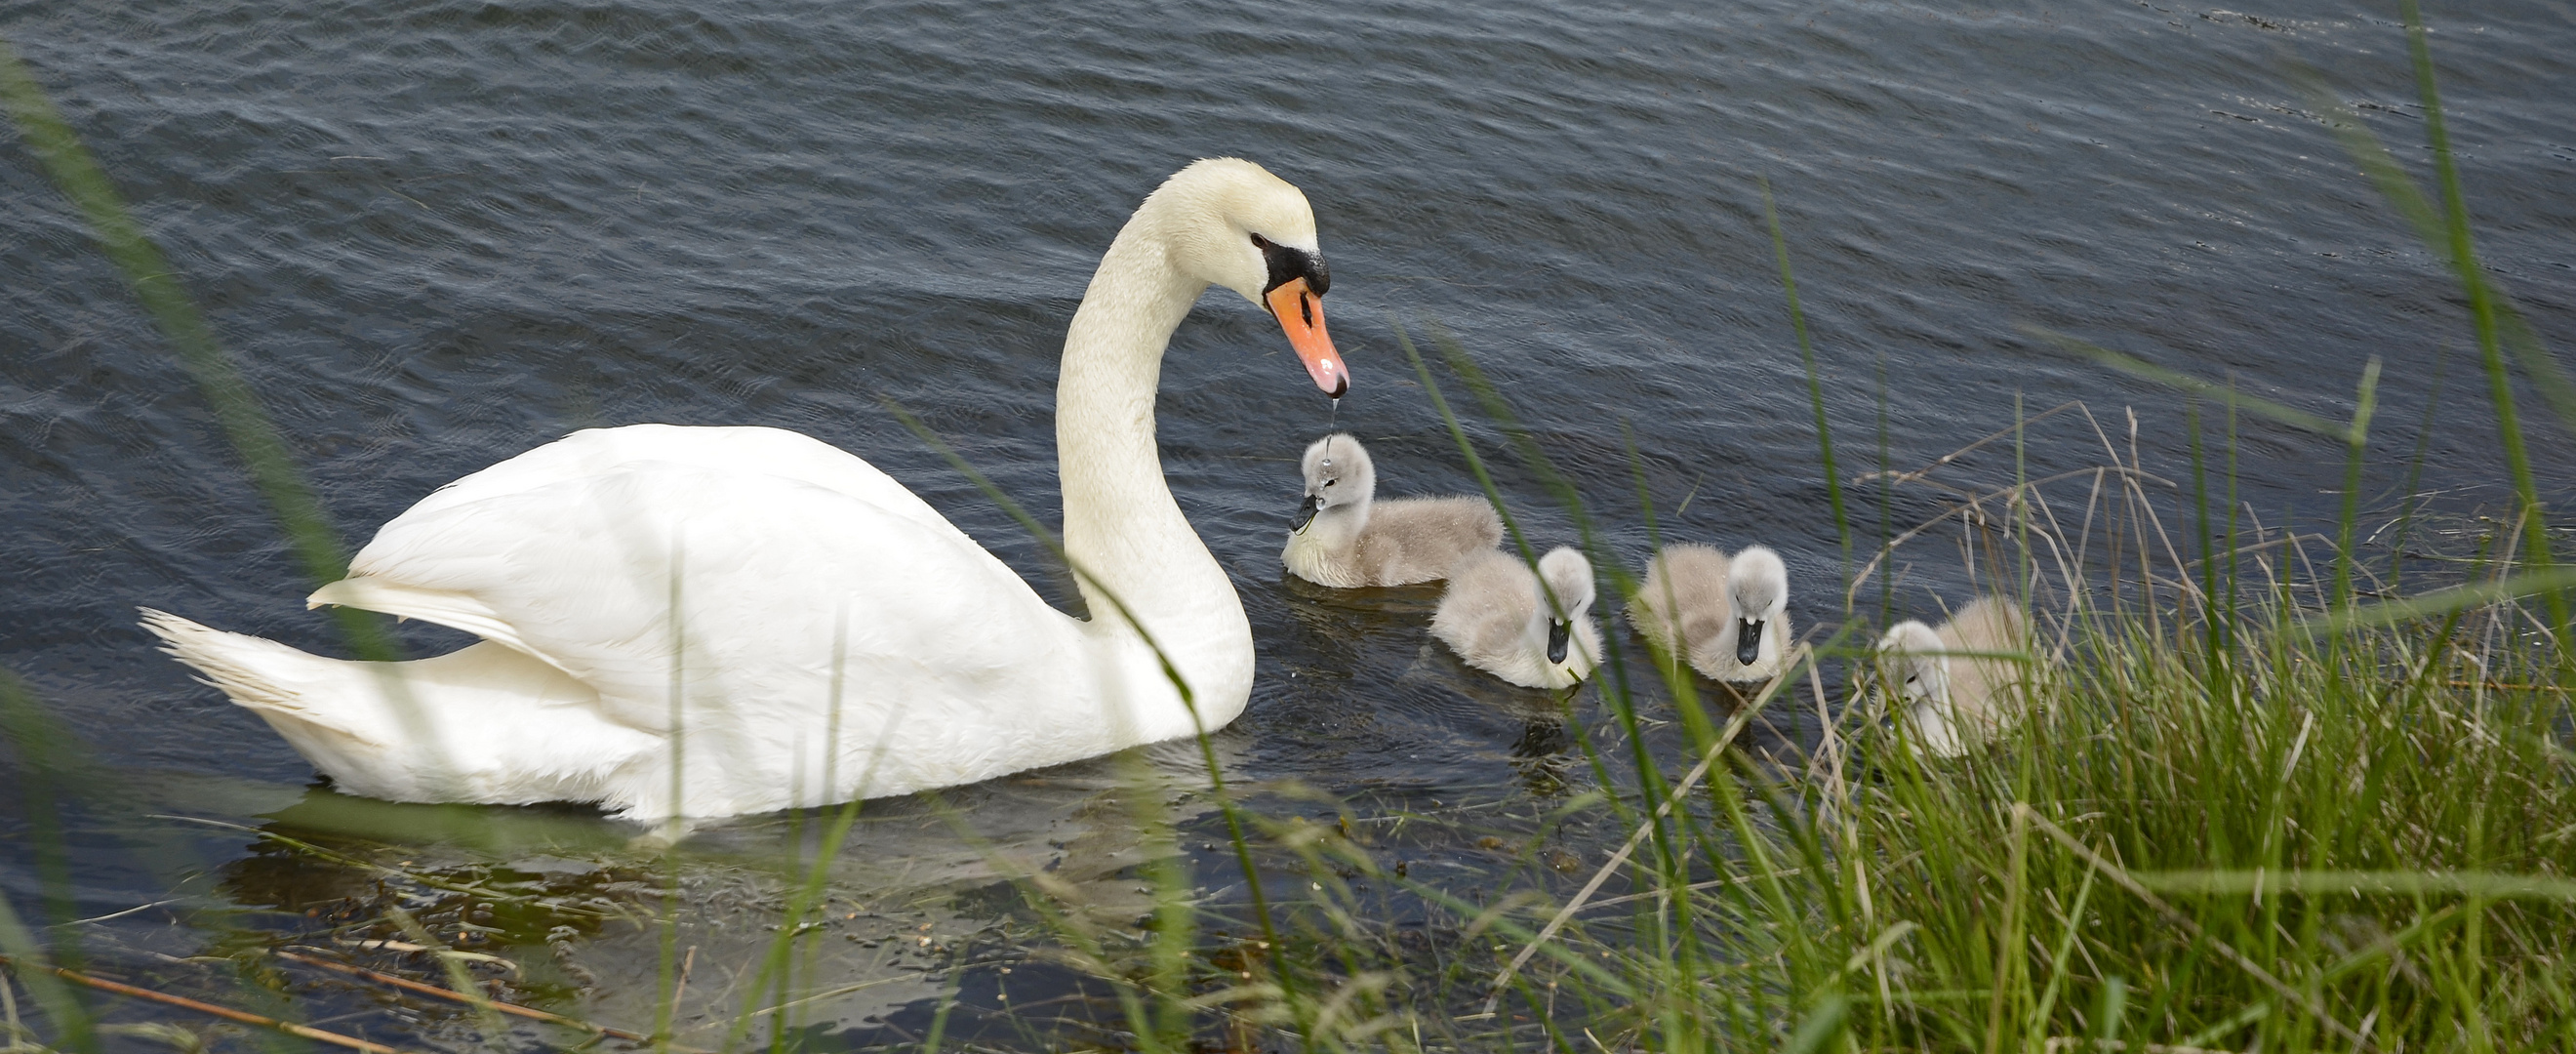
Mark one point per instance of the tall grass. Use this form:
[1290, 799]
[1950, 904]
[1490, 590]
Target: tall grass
[2240, 808]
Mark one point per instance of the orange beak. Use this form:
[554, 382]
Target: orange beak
[1301, 313]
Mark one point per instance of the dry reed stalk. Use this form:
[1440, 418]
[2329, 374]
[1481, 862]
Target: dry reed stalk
[1725, 736]
[2120, 875]
[227, 1013]
[423, 988]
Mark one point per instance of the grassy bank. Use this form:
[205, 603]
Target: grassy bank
[2239, 812]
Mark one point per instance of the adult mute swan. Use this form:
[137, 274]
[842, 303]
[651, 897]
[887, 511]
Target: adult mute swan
[1498, 617]
[1733, 611]
[703, 622]
[1347, 538]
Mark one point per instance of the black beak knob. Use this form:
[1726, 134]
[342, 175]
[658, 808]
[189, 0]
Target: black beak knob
[1558, 633]
[1748, 641]
[1305, 514]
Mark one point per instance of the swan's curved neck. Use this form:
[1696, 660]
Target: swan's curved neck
[1121, 526]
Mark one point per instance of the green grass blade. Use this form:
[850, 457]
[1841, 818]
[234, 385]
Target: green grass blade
[1224, 797]
[156, 284]
[41, 746]
[2357, 442]
[1815, 381]
[2223, 394]
[2444, 601]
[2362, 883]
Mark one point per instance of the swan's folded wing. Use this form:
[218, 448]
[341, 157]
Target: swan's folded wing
[762, 451]
[747, 591]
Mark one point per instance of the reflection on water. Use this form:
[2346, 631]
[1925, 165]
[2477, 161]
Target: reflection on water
[574, 904]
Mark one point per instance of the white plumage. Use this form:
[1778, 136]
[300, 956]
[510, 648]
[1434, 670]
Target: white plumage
[1350, 539]
[782, 621]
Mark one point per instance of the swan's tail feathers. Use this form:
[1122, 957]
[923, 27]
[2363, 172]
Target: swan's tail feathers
[481, 724]
[445, 607]
[260, 674]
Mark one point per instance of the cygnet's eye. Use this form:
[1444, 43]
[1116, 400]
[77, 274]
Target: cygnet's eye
[1330, 482]
[1913, 677]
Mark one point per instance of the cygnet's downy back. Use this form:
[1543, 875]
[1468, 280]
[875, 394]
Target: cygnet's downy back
[1731, 612]
[1498, 617]
[1953, 695]
[1346, 539]
[1684, 589]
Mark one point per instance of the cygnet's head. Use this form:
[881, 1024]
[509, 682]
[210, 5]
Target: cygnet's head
[1757, 586]
[1569, 577]
[1339, 478]
[1911, 661]
[1229, 222]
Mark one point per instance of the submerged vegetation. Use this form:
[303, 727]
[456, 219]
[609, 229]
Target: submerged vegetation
[2265, 794]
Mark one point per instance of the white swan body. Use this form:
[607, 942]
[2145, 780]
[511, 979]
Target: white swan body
[1348, 539]
[705, 622]
[1956, 700]
[1498, 616]
[1732, 611]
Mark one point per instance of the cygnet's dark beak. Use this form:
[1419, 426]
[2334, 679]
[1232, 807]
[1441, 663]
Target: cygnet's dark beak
[1305, 514]
[1748, 641]
[1558, 633]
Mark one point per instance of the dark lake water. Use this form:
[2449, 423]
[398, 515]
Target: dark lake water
[437, 234]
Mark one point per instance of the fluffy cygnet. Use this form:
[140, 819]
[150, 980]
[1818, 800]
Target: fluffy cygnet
[1733, 613]
[1496, 617]
[1346, 539]
[1954, 701]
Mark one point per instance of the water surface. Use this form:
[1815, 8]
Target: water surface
[439, 235]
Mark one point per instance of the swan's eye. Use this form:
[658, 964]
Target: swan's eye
[1287, 263]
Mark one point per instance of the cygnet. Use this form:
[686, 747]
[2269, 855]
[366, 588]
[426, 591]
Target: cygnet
[1496, 616]
[1955, 700]
[1346, 539]
[1733, 613]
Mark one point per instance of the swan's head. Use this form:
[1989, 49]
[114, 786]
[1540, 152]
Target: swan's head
[1338, 476]
[1910, 661]
[1230, 222]
[1757, 585]
[1569, 579]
